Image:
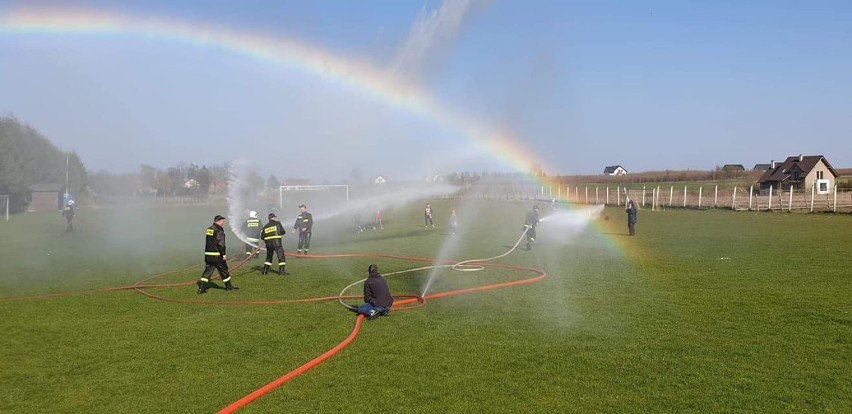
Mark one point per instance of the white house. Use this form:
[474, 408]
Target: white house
[615, 170]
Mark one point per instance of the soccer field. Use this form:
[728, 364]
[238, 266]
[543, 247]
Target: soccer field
[701, 311]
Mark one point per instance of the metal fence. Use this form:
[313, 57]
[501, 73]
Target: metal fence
[658, 197]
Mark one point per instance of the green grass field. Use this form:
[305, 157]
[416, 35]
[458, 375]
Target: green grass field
[703, 311]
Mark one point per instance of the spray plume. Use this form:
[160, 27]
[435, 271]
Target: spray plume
[240, 196]
[431, 35]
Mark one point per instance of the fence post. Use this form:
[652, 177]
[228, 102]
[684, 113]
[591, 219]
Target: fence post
[813, 188]
[750, 193]
[658, 195]
[790, 203]
[596, 196]
[671, 196]
[617, 195]
[716, 196]
[653, 199]
[643, 196]
[770, 198]
[699, 196]
[587, 194]
[559, 192]
[607, 196]
[835, 198]
[684, 196]
[577, 194]
[734, 200]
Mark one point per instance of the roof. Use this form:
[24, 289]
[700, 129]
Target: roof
[733, 167]
[612, 168]
[762, 166]
[45, 188]
[782, 171]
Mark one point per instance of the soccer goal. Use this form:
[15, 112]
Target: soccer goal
[291, 196]
[4, 205]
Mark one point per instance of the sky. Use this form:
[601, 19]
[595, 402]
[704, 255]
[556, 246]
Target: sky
[414, 88]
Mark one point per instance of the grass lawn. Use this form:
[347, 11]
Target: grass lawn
[711, 311]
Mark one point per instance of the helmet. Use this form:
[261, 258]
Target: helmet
[253, 214]
[70, 202]
[372, 269]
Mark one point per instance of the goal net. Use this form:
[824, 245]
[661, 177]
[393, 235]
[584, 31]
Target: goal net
[315, 197]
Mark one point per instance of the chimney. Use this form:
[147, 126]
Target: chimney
[800, 158]
[772, 164]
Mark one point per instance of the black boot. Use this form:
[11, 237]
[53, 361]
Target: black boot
[202, 287]
[265, 270]
[282, 270]
[229, 286]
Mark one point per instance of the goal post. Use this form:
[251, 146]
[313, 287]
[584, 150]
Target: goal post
[4, 206]
[313, 194]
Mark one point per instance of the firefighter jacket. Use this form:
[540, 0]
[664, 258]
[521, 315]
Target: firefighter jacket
[214, 244]
[252, 228]
[305, 222]
[531, 219]
[272, 233]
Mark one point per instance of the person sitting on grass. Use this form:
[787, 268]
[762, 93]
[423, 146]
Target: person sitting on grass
[377, 295]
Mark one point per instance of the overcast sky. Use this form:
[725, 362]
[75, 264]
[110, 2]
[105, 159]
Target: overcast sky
[649, 85]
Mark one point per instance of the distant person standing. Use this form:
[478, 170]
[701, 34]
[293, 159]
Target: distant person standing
[252, 228]
[69, 211]
[273, 234]
[305, 225]
[377, 296]
[427, 216]
[530, 223]
[454, 223]
[378, 221]
[214, 256]
[631, 217]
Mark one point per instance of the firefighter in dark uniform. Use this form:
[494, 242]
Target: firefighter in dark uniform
[252, 228]
[530, 222]
[272, 234]
[305, 224]
[214, 256]
[68, 212]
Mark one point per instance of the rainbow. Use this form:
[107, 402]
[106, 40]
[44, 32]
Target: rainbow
[357, 75]
[350, 73]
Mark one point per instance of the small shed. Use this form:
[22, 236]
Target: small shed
[46, 197]
[733, 168]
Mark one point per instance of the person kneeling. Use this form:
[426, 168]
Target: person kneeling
[377, 296]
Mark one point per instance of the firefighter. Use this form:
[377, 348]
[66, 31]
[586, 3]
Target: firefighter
[272, 234]
[305, 224]
[530, 222]
[68, 212]
[427, 216]
[214, 256]
[252, 228]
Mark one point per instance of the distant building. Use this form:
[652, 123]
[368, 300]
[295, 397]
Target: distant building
[46, 197]
[761, 167]
[733, 168]
[800, 172]
[615, 170]
[380, 180]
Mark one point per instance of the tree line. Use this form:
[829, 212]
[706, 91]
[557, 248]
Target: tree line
[28, 158]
